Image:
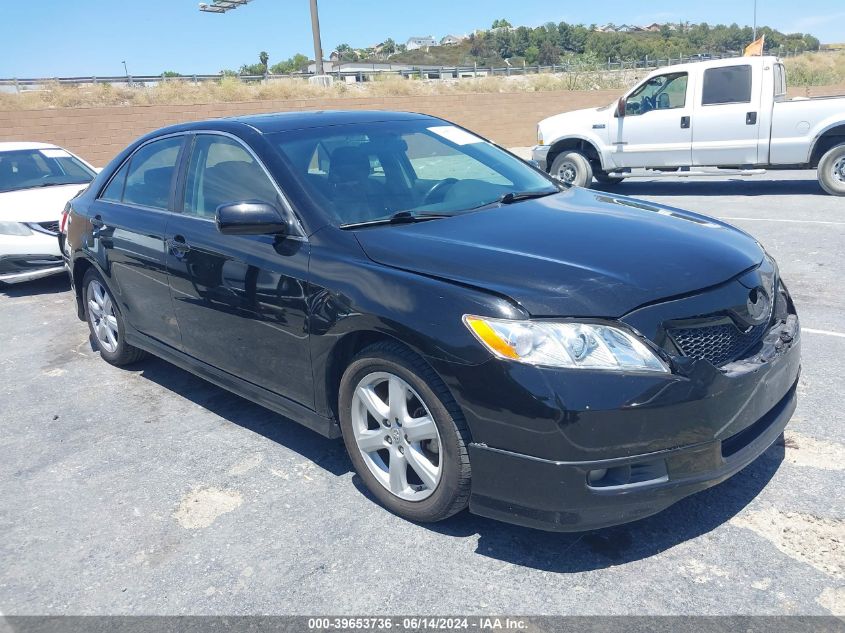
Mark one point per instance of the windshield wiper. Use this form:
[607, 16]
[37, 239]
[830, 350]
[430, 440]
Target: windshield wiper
[516, 196]
[401, 217]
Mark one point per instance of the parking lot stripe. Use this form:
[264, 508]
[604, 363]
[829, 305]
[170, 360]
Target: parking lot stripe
[823, 332]
[783, 220]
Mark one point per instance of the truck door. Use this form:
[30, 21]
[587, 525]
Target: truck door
[656, 129]
[727, 120]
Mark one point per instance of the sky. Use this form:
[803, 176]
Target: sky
[57, 38]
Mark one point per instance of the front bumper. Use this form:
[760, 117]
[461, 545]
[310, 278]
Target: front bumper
[17, 268]
[27, 257]
[539, 154]
[577, 450]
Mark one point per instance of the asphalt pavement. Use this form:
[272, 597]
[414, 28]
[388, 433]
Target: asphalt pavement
[149, 491]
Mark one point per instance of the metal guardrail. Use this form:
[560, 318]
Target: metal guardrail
[365, 74]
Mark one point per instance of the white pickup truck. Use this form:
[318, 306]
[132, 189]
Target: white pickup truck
[731, 114]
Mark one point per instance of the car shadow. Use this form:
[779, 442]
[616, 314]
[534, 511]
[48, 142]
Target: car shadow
[323, 452]
[548, 551]
[733, 187]
[53, 284]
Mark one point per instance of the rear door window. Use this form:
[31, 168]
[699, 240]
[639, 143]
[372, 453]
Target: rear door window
[731, 84]
[150, 176]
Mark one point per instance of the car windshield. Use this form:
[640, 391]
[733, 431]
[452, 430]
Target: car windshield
[417, 169]
[27, 169]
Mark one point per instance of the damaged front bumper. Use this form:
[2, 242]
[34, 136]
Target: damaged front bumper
[575, 450]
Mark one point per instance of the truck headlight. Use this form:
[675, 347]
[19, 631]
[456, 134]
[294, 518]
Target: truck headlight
[571, 345]
[539, 136]
[14, 228]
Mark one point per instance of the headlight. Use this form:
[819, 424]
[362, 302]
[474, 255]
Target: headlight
[539, 136]
[14, 228]
[575, 345]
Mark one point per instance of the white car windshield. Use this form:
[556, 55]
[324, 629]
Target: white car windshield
[371, 172]
[48, 167]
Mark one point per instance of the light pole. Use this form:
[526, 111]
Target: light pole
[126, 70]
[222, 6]
[755, 20]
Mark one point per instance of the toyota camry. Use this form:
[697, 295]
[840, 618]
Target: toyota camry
[479, 334]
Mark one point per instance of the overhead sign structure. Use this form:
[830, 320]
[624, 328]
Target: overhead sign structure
[221, 6]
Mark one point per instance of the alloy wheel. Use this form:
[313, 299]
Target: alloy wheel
[102, 316]
[397, 436]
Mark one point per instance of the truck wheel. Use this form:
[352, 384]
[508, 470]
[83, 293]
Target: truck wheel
[832, 171]
[573, 168]
[607, 180]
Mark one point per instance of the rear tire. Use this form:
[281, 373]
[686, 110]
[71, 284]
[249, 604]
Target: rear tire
[106, 323]
[425, 491]
[832, 171]
[573, 168]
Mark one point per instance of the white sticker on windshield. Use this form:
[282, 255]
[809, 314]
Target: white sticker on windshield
[55, 153]
[455, 134]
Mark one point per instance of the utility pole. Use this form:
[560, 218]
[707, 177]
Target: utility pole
[755, 21]
[222, 6]
[318, 46]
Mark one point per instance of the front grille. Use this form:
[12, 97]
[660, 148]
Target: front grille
[719, 343]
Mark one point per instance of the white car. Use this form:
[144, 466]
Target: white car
[36, 181]
[687, 119]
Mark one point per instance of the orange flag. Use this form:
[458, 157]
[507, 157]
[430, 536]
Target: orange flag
[755, 49]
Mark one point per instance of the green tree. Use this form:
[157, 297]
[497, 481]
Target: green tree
[170, 74]
[549, 54]
[264, 59]
[293, 64]
[389, 46]
[501, 24]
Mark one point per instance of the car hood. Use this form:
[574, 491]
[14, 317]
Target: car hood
[577, 253]
[42, 204]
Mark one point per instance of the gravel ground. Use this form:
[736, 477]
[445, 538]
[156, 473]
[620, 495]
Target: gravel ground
[149, 491]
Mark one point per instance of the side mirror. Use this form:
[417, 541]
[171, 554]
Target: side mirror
[250, 217]
[621, 107]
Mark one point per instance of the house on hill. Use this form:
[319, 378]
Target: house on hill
[653, 28]
[415, 43]
[452, 40]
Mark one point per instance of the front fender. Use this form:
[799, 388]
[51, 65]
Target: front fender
[564, 142]
[351, 295]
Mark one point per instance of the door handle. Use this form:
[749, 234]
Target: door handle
[751, 118]
[685, 122]
[178, 246]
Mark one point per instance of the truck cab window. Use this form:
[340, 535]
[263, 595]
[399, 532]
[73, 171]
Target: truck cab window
[731, 84]
[664, 92]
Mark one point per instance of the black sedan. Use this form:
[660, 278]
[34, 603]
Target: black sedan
[479, 334]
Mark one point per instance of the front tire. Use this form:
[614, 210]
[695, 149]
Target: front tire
[832, 171]
[404, 433]
[604, 179]
[105, 322]
[573, 168]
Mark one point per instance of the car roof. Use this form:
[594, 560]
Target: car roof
[17, 146]
[285, 121]
[288, 121]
